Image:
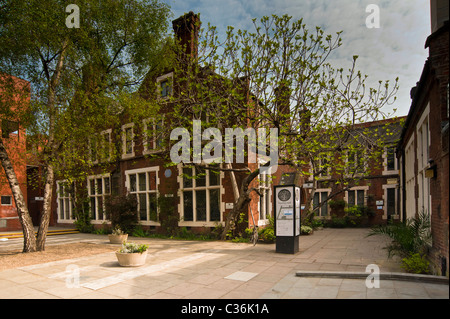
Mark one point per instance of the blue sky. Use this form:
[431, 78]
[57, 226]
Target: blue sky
[396, 49]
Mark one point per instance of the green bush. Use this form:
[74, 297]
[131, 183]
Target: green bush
[267, 234]
[416, 263]
[305, 230]
[138, 231]
[338, 222]
[410, 237]
[82, 214]
[122, 211]
[168, 215]
[316, 223]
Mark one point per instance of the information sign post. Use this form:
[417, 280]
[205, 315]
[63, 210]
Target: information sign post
[287, 218]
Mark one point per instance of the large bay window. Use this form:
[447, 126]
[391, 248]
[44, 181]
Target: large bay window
[99, 187]
[357, 196]
[200, 196]
[64, 201]
[320, 202]
[144, 184]
[128, 140]
[152, 135]
[265, 203]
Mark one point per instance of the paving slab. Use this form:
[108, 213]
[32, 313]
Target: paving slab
[177, 269]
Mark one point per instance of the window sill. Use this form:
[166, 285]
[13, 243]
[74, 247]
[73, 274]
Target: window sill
[128, 156]
[198, 224]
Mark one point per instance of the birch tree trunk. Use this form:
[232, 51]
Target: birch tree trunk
[46, 210]
[29, 242]
[243, 198]
[51, 150]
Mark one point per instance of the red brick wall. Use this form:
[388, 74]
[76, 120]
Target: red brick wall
[439, 58]
[16, 148]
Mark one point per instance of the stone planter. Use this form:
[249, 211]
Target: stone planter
[131, 259]
[117, 239]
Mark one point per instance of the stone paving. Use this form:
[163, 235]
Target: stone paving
[178, 269]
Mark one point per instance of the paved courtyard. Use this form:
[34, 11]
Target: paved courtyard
[178, 269]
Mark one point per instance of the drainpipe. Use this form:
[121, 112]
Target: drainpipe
[403, 176]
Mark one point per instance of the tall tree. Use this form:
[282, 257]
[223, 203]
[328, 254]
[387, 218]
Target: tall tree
[78, 59]
[278, 75]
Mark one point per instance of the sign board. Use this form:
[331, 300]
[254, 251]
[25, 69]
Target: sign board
[380, 202]
[392, 181]
[229, 205]
[287, 209]
[287, 205]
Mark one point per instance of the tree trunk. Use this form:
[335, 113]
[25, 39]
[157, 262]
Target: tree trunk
[29, 239]
[239, 204]
[47, 208]
[51, 150]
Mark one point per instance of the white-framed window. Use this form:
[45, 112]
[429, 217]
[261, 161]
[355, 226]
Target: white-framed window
[320, 200]
[423, 157]
[357, 196]
[265, 199]
[99, 187]
[105, 145]
[410, 179]
[323, 166]
[164, 85]
[200, 196]
[100, 147]
[128, 140]
[144, 184]
[93, 151]
[152, 135]
[355, 163]
[390, 165]
[64, 201]
[6, 200]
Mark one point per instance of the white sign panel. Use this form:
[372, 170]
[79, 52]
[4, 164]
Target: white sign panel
[287, 206]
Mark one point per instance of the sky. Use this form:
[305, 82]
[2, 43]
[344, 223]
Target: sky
[395, 49]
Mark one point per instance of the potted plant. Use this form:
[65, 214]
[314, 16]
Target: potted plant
[132, 254]
[117, 236]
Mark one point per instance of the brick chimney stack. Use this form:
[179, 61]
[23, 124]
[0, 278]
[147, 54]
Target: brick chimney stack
[186, 30]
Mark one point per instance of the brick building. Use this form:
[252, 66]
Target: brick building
[14, 97]
[423, 148]
[373, 187]
[203, 202]
[199, 203]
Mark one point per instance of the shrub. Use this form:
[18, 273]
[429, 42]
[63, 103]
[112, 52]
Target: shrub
[305, 230]
[138, 231]
[122, 212]
[168, 215]
[267, 234]
[416, 263]
[337, 204]
[82, 214]
[410, 237]
[316, 223]
[338, 222]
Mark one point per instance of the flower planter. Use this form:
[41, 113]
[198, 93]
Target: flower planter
[131, 259]
[117, 239]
